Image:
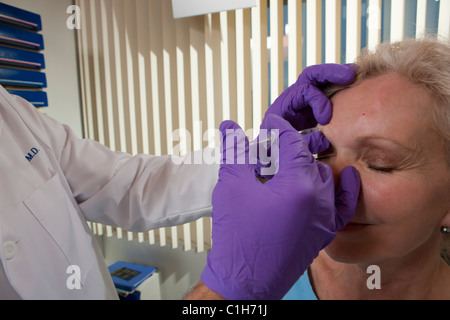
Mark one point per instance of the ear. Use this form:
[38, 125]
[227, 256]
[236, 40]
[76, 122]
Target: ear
[446, 220]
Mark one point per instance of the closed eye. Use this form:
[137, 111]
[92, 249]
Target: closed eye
[380, 169]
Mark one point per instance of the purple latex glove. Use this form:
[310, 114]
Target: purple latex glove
[264, 236]
[304, 104]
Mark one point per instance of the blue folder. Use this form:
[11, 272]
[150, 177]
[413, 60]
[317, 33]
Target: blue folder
[21, 38]
[22, 78]
[128, 276]
[20, 17]
[21, 58]
[36, 98]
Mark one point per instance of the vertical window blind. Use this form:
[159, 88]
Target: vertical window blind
[146, 75]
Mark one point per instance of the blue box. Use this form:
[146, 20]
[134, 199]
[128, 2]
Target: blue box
[128, 276]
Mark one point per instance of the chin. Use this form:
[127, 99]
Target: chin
[345, 250]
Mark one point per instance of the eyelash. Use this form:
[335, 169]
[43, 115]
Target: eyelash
[370, 166]
[380, 169]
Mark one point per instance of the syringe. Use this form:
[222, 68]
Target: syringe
[302, 132]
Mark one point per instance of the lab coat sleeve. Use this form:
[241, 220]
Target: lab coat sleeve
[136, 193]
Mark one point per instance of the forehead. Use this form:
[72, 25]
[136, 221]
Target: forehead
[383, 105]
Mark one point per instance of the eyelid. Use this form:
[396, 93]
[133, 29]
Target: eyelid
[381, 169]
[380, 160]
[391, 162]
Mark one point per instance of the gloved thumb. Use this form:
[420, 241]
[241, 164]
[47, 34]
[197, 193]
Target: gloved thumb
[347, 196]
[317, 142]
[289, 149]
[234, 149]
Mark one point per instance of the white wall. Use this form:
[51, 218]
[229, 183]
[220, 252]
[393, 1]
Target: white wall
[61, 60]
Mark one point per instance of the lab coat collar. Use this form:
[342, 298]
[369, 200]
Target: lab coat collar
[3, 92]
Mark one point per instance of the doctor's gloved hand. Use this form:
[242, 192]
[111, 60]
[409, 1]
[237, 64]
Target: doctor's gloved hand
[304, 104]
[264, 236]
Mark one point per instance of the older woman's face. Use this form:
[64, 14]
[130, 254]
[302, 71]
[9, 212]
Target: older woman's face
[380, 127]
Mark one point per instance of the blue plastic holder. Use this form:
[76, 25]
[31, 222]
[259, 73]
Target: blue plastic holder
[21, 58]
[36, 98]
[20, 17]
[22, 78]
[21, 38]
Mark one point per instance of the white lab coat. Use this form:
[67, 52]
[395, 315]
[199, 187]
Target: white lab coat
[52, 182]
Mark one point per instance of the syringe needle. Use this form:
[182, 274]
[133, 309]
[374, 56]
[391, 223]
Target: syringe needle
[302, 132]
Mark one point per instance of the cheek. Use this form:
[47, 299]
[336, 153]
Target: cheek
[396, 201]
[397, 207]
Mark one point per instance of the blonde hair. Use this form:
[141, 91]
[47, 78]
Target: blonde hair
[425, 62]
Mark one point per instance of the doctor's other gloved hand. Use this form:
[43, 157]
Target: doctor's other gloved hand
[304, 104]
[264, 236]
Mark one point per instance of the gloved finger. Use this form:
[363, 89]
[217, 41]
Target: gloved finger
[234, 150]
[347, 196]
[314, 78]
[300, 117]
[352, 66]
[306, 106]
[322, 75]
[317, 142]
[303, 106]
[311, 96]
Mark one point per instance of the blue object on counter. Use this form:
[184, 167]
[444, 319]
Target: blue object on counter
[128, 276]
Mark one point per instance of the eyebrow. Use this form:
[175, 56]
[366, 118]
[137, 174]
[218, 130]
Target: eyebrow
[412, 155]
[373, 141]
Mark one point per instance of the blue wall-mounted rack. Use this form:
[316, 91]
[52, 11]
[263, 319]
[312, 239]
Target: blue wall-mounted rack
[21, 63]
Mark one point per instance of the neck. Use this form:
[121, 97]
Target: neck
[408, 277]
